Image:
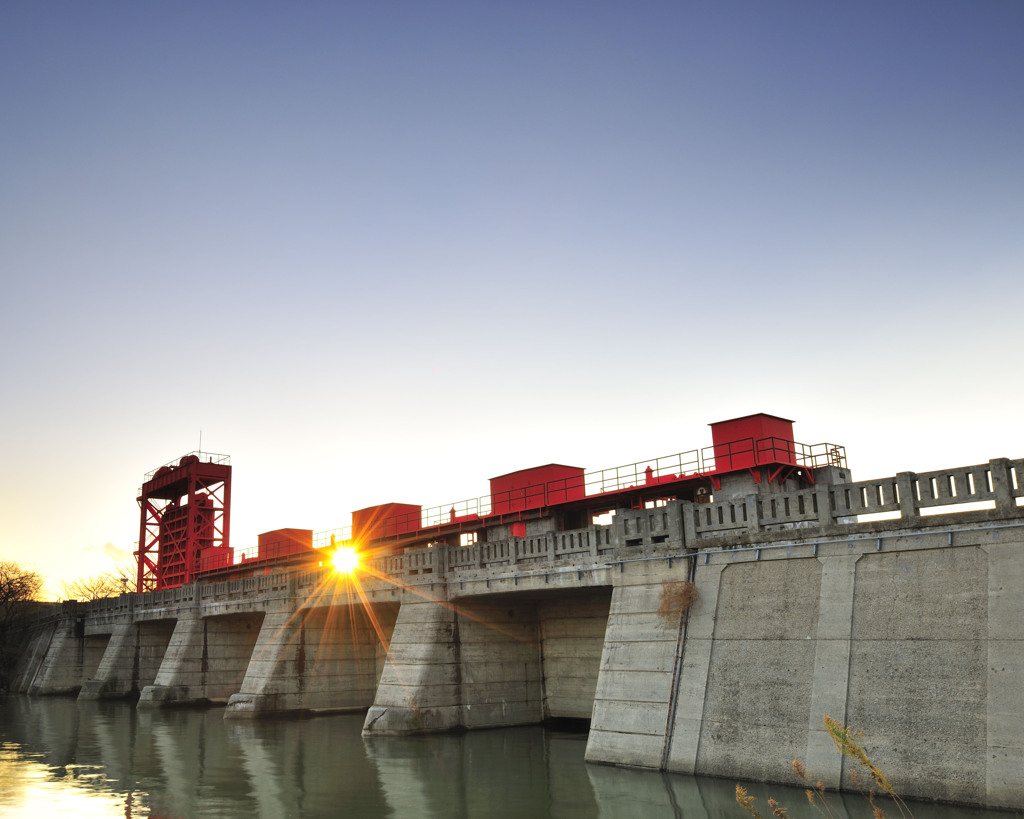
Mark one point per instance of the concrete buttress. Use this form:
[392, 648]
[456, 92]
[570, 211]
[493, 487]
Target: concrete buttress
[420, 688]
[637, 678]
[206, 659]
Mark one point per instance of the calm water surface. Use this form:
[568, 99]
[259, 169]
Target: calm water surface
[59, 757]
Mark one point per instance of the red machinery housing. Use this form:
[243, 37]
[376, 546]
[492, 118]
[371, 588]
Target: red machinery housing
[385, 520]
[185, 520]
[742, 443]
[186, 506]
[536, 487]
[282, 542]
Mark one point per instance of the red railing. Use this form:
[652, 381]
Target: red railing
[732, 456]
[204, 457]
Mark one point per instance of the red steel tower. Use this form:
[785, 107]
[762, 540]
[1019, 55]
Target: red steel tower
[186, 513]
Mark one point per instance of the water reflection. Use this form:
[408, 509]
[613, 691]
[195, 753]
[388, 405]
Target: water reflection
[507, 772]
[59, 756]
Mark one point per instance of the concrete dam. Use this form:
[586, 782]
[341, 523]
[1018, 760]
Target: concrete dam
[703, 620]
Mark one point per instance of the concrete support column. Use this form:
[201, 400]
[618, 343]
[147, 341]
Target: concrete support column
[908, 497]
[1004, 781]
[28, 666]
[60, 672]
[1002, 485]
[689, 527]
[823, 497]
[315, 659]
[700, 632]
[113, 678]
[420, 687]
[181, 672]
[753, 514]
[206, 659]
[634, 693]
[270, 678]
[831, 666]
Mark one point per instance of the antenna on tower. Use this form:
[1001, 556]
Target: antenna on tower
[200, 442]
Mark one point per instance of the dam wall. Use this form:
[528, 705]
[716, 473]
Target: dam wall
[912, 636]
[707, 638]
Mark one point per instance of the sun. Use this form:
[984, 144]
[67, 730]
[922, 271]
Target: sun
[345, 560]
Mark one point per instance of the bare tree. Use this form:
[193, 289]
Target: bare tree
[18, 587]
[108, 584]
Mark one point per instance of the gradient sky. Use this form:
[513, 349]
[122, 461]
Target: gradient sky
[384, 251]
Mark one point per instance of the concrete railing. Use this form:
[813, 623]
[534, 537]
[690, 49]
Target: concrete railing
[553, 545]
[528, 549]
[711, 519]
[999, 482]
[421, 561]
[908, 492]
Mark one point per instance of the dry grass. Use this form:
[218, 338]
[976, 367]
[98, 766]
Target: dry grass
[676, 597]
[848, 742]
[745, 800]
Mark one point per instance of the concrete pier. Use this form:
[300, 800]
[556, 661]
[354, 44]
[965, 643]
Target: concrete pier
[206, 659]
[910, 628]
[315, 659]
[131, 661]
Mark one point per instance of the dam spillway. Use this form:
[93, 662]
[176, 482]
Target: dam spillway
[910, 628]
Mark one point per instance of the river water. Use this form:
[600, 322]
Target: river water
[60, 757]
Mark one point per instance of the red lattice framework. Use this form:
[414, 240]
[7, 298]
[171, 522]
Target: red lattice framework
[185, 517]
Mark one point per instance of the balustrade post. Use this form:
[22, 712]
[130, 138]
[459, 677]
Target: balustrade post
[441, 560]
[823, 497]
[689, 509]
[753, 514]
[908, 497]
[1002, 484]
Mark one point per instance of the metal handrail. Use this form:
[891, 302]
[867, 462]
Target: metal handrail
[691, 463]
[210, 458]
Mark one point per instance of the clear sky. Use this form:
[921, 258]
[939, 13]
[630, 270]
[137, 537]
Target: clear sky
[385, 251]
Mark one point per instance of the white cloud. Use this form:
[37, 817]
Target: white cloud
[115, 553]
